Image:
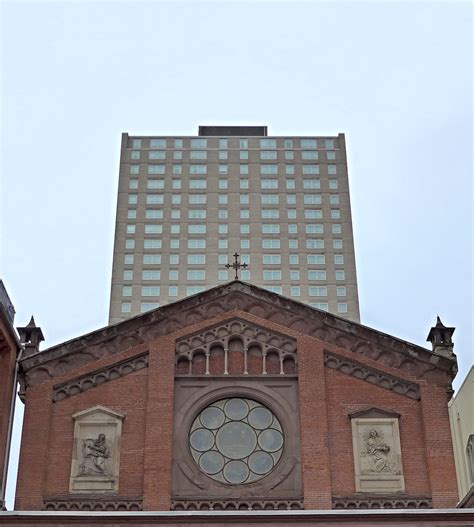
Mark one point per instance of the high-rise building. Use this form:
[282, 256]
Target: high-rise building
[186, 204]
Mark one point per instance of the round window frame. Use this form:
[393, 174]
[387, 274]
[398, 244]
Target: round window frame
[220, 475]
[213, 389]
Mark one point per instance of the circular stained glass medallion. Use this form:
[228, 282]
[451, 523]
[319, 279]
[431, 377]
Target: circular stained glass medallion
[236, 441]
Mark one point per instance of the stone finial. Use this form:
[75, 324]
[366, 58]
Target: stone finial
[30, 337]
[440, 337]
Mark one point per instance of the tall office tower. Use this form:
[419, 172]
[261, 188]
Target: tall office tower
[187, 204]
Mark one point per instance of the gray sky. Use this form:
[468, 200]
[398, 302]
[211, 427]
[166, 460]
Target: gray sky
[396, 78]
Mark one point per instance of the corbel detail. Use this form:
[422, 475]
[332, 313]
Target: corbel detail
[368, 374]
[94, 378]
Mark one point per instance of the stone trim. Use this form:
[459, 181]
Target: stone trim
[97, 377]
[85, 503]
[233, 505]
[246, 297]
[372, 375]
[374, 412]
[377, 502]
[229, 298]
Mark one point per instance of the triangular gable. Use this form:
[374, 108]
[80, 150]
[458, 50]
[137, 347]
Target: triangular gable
[248, 298]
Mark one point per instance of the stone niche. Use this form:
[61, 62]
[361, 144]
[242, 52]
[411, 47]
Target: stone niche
[96, 451]
[377, 452]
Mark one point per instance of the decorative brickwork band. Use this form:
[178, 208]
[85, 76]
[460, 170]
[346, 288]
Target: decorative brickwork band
[93, 379]
[92, 504]
[382, 503]
[368, 374]
[234, 505]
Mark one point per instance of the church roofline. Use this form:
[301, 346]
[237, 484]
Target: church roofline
[171, 310]
[343, 517]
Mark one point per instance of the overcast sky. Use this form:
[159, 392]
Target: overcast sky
[396, 78]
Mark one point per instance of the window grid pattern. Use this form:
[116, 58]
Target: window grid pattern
[291, 197]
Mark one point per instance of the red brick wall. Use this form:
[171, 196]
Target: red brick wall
[34, 448]
[48, 430]
[126, 395]
[439, 446]
[7, 374]
[345, 395]
[159, 426]
[314, 425]
[146, 398]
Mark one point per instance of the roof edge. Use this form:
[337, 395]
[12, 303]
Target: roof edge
[158, 314]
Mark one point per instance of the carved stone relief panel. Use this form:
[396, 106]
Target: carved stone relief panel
[96, 451]
[377, 455]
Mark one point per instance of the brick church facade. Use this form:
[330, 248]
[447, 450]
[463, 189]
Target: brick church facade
[236, 399]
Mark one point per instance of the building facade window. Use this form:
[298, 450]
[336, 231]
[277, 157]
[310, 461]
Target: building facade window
[151, 290]
[317, 291]
[271, 275]
[271, 244]
[157, 154]
[316, 275]
[268, 169]
[312, 243]
[147, 306]
[152, 259]
[151, 275]
[308, 143]
[196, 275]
[198, 154]
[199, 143]
[316, 259]
[152, 244]
[267, 143]
[271, 259]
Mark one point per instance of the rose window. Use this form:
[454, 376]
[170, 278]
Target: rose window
[236, 441]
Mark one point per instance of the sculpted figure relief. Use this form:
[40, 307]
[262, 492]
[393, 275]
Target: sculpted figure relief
[378, 450]
[94, 455]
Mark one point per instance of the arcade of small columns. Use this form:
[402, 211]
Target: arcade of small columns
[236, 348]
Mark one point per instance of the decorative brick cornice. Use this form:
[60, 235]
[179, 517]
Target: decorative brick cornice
[255, 504]
[380, 502]
[84, 503]
[236, 295]
[97, 377]
[250, 331]
[368, 374]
